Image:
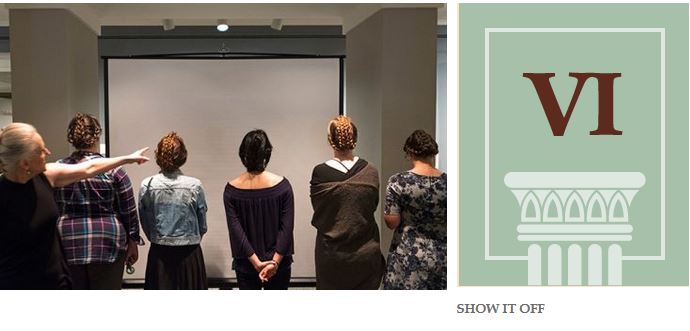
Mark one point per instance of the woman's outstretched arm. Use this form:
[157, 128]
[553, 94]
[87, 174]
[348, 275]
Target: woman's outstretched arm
[60, 174]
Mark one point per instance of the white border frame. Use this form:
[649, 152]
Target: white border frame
[487, 209]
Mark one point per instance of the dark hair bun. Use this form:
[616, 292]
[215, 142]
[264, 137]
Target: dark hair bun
[255, 151]
[420, 145]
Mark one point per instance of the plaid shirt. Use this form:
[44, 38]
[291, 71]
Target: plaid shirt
[96, 214]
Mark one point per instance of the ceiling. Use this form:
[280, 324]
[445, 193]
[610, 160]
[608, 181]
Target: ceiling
[137, 14]
[153, 14]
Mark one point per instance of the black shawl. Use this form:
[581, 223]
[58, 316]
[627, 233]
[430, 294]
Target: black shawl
[348, 253]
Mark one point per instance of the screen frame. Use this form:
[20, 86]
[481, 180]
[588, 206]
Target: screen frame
[215, 56]
[227, 283]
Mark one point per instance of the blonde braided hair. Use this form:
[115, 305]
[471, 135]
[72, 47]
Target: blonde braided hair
[342, 133]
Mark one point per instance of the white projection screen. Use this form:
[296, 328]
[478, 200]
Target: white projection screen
[212, 104]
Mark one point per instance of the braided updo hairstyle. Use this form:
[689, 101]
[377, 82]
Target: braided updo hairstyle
[83, 131]
[342, 133]
[420, 145]
[255, 151]
[171, 153]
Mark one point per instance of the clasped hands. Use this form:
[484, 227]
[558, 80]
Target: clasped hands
[266, 269]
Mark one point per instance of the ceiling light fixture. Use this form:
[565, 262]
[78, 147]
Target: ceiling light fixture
[222, 25]
[277, 24]
[168, 24]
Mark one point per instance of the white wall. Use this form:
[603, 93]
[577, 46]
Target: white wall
[391, 88]
[441, 98]
[54, 58]
[212, 104]
[5, 111]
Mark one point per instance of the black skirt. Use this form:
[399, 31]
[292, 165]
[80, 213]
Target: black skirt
[175, 268]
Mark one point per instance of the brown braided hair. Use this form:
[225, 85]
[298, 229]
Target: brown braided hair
[171, 152]
[420, 145]
[342, 133]
[83, 131]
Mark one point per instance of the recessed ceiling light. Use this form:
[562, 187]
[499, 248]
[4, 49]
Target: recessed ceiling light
[222, 25]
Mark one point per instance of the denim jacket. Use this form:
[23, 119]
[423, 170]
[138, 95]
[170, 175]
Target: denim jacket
[172, 209]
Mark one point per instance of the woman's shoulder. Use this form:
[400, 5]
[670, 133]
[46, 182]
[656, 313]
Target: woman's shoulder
[243, 182]
[190, 182]
[319, 168]
[442, 181]
[401, 174]
[190, 179]
[401, 177]
[278, 182]
[148, 181]
[322, 172]
[274, 179]
[324, 167]
[171, 181]
[439, 175]
[286, 187]
[408, 178]
[362, 163]
[43, 179]
[271, 183]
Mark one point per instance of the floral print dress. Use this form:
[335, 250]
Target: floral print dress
[417, 256]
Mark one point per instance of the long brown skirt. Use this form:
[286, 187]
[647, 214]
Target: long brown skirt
[175, 268]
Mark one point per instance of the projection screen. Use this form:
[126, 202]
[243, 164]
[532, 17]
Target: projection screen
[212, 104]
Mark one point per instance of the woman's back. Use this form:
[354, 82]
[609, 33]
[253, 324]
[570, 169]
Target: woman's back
[98, 192]
[417, 255]
[260, 216]
[96, 214]
[421, 201]
[347, 252]
[173, 209]
[173, 214]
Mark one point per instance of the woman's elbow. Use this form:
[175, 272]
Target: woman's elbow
[83, 171]
[392, 221]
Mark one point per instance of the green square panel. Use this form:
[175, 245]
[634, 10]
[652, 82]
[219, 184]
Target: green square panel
[573, 144]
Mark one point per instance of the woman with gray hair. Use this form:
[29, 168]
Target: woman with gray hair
[30, 253]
